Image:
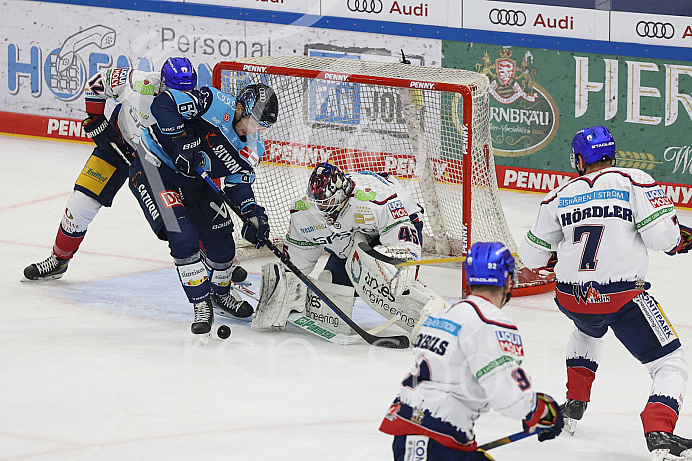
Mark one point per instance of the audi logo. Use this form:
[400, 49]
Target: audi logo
[365, 6]
[507, 17]
[655, 29]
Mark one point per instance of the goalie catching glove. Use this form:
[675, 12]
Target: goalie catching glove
[396, 277]
[545, 418]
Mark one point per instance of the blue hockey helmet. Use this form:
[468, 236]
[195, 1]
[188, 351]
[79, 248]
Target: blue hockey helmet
[179, 74]
[260, 101]
[593, 144]
[489, 263]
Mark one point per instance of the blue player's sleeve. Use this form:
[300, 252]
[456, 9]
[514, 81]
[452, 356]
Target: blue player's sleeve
[240, 194]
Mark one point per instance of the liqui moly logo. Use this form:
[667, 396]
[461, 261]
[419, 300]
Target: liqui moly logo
[510, 342]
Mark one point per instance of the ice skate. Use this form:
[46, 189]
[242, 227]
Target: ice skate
[232, 304]
[572, 411]
[204, 317]
[50, 268]
[665, 446]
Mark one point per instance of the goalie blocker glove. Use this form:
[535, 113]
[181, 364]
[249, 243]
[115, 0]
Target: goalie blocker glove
[546, 418]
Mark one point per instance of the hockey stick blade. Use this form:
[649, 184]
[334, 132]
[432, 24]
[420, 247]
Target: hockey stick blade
[506, 440]
[404, 262]
[338, 338]
[395, 342]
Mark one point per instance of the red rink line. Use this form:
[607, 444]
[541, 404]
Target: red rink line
[32, 202]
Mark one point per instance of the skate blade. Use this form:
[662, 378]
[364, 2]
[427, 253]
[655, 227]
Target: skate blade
[570, 425]
[42, 279]
[665, 455]
[201, 339]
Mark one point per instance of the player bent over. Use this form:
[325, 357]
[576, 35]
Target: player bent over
[106, 170]
[339, 211]
[219, 132]
[467, 361]
[601, 225]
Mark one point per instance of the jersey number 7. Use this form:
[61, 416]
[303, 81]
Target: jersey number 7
[592, 235]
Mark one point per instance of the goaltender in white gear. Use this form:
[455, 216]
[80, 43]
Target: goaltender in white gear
[338, 212]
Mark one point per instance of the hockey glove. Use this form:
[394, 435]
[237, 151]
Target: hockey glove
[685, 241]
[103, 133]
[398, 277]
[188, 150]
[545, 418]
[259, 230]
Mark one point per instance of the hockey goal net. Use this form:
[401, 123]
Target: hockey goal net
[427, 126]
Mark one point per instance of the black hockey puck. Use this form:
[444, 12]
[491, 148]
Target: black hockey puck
[223, 332]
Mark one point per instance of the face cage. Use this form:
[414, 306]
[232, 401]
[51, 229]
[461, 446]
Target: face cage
[330, 212]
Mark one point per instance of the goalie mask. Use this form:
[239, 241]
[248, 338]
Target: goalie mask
[329, 189]
[490, 263]
[179, 74]
[260, 101]
[593, 144]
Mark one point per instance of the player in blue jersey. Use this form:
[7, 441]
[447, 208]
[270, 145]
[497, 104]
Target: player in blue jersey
[106, 170]
[219, 132]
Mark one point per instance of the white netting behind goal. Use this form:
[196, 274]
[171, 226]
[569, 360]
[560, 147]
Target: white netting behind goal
[405, 120]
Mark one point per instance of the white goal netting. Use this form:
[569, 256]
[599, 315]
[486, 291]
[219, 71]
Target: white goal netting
[410, 121]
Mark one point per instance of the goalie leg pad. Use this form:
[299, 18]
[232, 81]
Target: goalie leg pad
[373, 286]
[281, 293]
[342, 296]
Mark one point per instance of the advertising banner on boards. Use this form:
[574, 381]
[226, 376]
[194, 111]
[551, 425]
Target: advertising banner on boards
[540, 98]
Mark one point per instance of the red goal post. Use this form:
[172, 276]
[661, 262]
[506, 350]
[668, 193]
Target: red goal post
[428, 126]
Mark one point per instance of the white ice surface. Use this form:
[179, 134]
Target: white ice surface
[101, 365]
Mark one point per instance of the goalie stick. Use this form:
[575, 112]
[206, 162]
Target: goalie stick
[318, 329]
[395, 342]
[367, 249]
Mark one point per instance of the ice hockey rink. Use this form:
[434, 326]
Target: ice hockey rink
[101, 364]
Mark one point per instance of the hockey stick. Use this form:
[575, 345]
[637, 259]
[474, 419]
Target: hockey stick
[506, 440]
[401, 262]
[320, 330]
[395, 342]
[117, 149]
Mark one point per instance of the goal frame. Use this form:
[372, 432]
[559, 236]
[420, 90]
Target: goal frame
[464, 92]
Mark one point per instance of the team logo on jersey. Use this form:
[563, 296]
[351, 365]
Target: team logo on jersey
[397, 210]
[250, 155]
[658, 198]
[588, 294]
[170, 198]
[510, 342]
[226, 117]
[392, 412]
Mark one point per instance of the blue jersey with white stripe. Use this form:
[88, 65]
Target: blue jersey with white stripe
[209, 112]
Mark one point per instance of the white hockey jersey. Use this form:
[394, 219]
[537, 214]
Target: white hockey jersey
[377, 206]
[468, 361]
[133, 89]
[601, 225]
